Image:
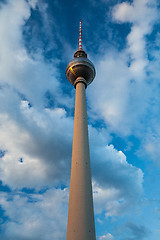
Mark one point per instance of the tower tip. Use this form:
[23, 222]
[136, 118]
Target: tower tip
[80, 36]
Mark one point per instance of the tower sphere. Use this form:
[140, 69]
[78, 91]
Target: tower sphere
[80, 69]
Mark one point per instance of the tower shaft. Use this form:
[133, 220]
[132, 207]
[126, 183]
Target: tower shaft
[81, 214]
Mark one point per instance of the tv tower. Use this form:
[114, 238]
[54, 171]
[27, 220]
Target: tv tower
[80, 73]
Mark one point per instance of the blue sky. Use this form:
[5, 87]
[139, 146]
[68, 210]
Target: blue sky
[37, 40]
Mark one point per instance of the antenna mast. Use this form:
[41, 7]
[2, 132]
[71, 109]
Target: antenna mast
[80, 37]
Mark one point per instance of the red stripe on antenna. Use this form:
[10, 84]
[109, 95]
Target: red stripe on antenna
[80, 36]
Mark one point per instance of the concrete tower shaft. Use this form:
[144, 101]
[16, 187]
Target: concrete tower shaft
[81, 214]
[80, 72]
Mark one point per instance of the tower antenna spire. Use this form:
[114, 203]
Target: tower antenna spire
[80, 36]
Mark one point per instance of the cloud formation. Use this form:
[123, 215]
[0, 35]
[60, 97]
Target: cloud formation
[108, 236]
[36, 140]
[35, 216]
[39, 130]
[125, 93]
[142, 15]
[117, 184]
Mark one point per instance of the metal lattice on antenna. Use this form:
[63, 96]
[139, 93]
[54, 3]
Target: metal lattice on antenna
[80, 36]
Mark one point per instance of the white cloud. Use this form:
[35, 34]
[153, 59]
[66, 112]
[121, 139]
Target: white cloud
[151, 145]
[108, 94]
[125, 93]
[40, 141]
[34, 134]
[116, 96]
[142, 14]
[30, 77]
[35, 216]
[108, 200]
[33, 3]
[117, 184]
[108, 236]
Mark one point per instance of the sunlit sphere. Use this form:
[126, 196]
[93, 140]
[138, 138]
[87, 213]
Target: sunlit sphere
[82, 67]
